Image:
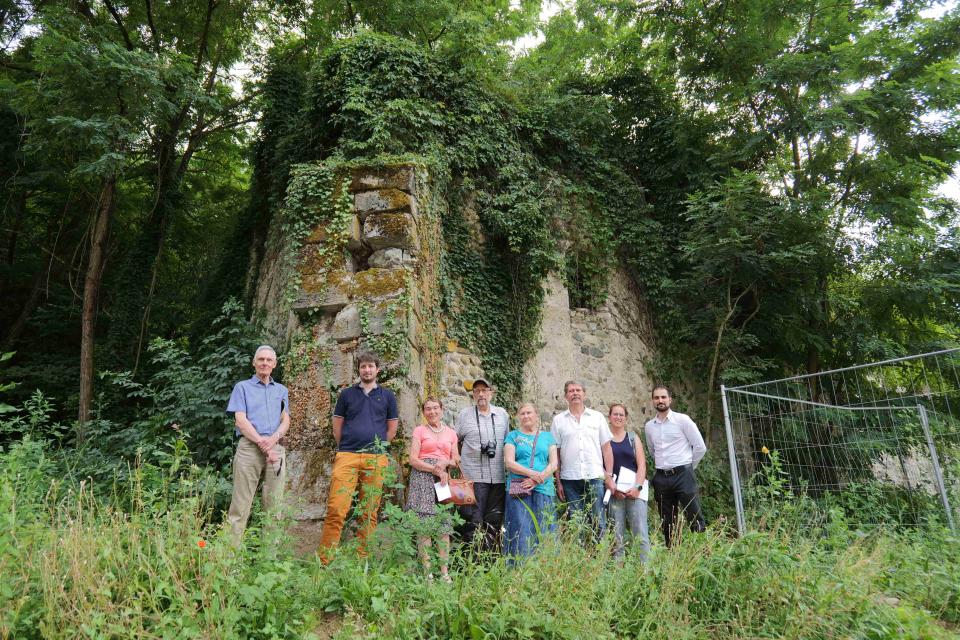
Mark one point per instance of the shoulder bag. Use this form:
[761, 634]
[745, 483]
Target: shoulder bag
[517, 490]
[461, 491]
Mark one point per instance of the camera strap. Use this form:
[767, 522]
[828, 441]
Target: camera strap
[493, 426]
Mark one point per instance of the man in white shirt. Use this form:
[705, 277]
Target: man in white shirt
[586, 457]
[677, 448]
[481, 430]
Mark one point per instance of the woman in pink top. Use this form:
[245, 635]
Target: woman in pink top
[433, 450]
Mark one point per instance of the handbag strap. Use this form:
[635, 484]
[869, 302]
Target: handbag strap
[533, 449]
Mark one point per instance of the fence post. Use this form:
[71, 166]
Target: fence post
[937, 472]
[734, 470]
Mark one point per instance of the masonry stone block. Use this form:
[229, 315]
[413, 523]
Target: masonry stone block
[380, 319]
[329, 301]
[381, 200]
[392, 258]
[408, 406]
[377, 284]
[401, 178]
[342, 371]
[346, 326]
[390, 230]
[355, 241]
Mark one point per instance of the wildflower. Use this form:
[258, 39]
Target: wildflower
[765, 451]
[201, 543]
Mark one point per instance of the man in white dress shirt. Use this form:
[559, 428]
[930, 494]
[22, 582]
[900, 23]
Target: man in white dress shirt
[677, 448]
[586, 457]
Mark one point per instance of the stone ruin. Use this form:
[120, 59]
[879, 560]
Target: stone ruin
[383, 294]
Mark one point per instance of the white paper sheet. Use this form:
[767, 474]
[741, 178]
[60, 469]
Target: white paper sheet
[626, 479]
[645, 491]
[443, 491]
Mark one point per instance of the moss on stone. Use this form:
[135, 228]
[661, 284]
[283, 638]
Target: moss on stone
[394, 224]
[378, 283]
[317, 260]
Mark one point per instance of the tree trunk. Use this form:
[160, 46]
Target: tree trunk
[136, 272]
[33, 301]
[18, 205]
[732, 307]
[91, 289]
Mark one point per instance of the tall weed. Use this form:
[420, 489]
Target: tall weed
[146, 560]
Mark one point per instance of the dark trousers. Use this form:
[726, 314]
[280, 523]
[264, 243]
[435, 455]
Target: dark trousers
[484, 520]
[673, 492]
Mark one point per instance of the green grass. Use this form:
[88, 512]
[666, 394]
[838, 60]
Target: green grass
[75, 563]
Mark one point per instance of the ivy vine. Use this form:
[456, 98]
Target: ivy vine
[317, 195]
[538, 198]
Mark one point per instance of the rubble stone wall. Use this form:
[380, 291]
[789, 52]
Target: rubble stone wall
[608, 350]
[378, 292]
[376, 285]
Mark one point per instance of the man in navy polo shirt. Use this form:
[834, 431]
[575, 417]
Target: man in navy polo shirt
[261, 412]
[364, 422]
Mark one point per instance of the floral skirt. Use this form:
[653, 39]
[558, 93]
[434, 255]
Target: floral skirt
[422, 499]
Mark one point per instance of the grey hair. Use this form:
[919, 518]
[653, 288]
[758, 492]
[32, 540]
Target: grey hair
[265, 347]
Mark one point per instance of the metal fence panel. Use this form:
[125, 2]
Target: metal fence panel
[879, 441]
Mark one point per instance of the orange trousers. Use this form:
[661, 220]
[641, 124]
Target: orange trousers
[353, 473]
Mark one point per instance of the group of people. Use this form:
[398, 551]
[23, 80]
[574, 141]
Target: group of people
[519, 475]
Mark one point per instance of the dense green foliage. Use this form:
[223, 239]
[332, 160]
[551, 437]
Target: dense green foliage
[766, 172]
[75, 562]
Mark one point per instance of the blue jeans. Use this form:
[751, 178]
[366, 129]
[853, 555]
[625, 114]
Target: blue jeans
[586, 496]
[522, 536]
[629, 513]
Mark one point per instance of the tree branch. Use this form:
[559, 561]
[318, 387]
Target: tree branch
[18, 67]
[116, 18]
[153, 27]
[204, 35]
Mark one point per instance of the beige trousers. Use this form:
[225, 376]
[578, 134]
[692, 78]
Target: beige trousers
[249, 466]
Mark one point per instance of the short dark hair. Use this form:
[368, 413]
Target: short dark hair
[664, 387]
[368, 356]
[618, 404]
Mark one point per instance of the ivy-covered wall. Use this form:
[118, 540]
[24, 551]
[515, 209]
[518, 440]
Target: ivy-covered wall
[426, 216]
[352, 266]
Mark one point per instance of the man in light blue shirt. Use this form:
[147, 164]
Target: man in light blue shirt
[261, 409]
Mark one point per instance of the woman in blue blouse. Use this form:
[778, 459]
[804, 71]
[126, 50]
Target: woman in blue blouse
[531, 505]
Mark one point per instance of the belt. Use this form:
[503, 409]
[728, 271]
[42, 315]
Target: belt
[674, 471]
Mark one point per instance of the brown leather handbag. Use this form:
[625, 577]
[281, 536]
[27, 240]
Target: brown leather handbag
[461, 491]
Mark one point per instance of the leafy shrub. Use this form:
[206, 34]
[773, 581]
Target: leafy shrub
[80, 562]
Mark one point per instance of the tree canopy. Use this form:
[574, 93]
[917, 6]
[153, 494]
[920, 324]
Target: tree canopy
[768, 173]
